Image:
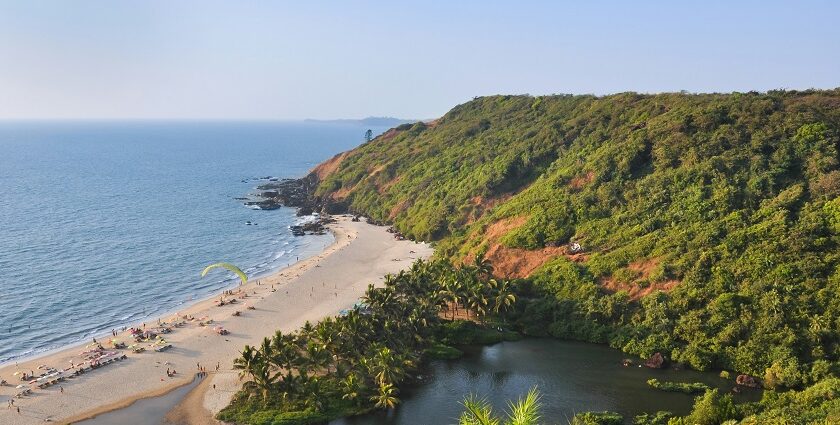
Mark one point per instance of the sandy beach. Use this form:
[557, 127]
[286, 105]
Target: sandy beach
[306, 291]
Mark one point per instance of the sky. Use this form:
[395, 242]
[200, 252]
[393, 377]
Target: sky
[206, 59]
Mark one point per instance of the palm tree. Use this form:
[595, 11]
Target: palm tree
[504, 298]
[318, 357]
[352, 388]
[477, 299]
[483, 266]
[386, 366]
[523, 412]
[254, 364]
[386, 396]
[245, 361]
[449, 295]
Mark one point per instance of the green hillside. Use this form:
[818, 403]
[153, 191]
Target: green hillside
[709, 223]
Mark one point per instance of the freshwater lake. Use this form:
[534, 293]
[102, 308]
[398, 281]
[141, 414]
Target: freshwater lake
[572, 377]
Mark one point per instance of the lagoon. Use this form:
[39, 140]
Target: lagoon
[572, 377]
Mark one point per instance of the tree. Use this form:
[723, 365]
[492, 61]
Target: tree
[368, 135]
[504, 297]
[386, 397]
[711, 408]
[483, 265]
[253, 363]
[352, 388]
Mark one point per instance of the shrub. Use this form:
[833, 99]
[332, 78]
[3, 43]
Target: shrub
[597, 418]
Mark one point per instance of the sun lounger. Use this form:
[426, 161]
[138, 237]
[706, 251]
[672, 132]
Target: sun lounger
[163, 347]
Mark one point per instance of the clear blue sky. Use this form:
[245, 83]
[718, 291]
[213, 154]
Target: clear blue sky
[301, 59]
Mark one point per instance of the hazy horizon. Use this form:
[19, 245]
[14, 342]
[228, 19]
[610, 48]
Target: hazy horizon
[215, 60]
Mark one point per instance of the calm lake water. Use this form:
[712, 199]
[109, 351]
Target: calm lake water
[106, 224]
[572, 377]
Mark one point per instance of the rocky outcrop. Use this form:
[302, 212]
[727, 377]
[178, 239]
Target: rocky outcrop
[294, 193]
[656, 361]
[747, 381]
[315, 227]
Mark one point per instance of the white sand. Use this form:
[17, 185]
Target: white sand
[310, 290]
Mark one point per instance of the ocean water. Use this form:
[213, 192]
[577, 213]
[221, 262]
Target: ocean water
[106, 224]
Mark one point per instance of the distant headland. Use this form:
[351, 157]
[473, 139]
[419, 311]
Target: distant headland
[372, 121]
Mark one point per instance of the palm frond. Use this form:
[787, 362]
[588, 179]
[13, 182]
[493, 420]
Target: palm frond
[526, 411]
[477, 412]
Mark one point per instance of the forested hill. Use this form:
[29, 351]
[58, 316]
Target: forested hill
[709, 223]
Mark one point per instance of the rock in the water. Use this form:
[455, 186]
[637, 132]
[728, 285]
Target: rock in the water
[747, 381]
[656, 361]
[265, 204]
[315, 227]
[297, 193]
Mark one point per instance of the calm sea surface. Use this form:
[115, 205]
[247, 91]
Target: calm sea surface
[105, 224]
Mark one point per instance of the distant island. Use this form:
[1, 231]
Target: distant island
[372, 121]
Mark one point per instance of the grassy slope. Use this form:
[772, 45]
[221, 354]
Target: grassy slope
[730, 201]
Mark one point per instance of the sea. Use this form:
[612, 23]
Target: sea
[105, 224]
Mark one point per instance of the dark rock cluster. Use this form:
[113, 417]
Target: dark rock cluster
[315, 227]
[295, 193]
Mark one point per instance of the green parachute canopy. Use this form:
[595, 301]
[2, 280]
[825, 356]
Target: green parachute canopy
[228, 266]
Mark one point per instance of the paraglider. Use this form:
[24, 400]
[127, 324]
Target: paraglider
[242, 276]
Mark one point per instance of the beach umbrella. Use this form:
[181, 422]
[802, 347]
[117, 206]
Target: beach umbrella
[242, 276]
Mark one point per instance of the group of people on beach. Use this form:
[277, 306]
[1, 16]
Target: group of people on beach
[202, 371]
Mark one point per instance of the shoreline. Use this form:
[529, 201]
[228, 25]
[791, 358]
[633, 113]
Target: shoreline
[187, 305]
[287, 306]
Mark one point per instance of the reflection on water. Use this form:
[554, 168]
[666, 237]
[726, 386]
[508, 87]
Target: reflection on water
[572, 377]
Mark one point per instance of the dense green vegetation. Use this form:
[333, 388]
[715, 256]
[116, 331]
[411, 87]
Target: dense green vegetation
[355, 362]
[681, 387]
[727, 202]
[597, 418]
[709, 224]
